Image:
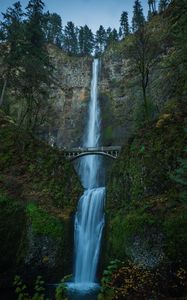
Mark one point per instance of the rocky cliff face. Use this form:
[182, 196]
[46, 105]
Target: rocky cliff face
[121, 94]
[69, 95]
[117, 103]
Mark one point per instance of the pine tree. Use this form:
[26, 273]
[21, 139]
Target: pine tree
[35, 62]
[149, 15]
[108, 32]
[35, 16]
[120, 33]
[152, 6]
[112, 37]
[100, 40]
[86, 40]
[81, 40]
[163, 4]
[12, 30]
[70, 39]
[124, 23]
[138, 19]
[53, 28]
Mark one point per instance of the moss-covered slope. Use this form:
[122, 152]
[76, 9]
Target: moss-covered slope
[146, 217]
[38, 195]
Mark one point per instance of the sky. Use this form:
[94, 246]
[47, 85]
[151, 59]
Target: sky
[90, 12]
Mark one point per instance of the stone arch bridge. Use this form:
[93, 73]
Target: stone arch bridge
[74, 153]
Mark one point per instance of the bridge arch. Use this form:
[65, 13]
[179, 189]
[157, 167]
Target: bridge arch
[72, 158]
[75, 153]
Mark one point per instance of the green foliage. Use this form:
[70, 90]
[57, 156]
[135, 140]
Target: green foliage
[43, 223]
[33, 171]
[100, 40]
[138, 19]
[152, 6]
[70, 39]
[39, 290]
[106, 292]
[142, 196]
[86, 40]
[163, 4]
[112, 37]
[124, 24]
[181, 177]
[12, 230]
[43, 172]
[108, 135]
[61, 290]
[140, 114]
[52, 26]
[26, 60]
[176, 236]
[12, 30]
[21, 289]
[107, 274]
[124, 227]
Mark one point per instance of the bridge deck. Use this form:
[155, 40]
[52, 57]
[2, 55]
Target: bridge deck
[73, 153]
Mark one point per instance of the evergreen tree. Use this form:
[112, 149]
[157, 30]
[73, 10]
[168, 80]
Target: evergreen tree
[35, 63]
[70, 39]
[34, 12]
[138, 19]
[100, 40]
[108, 32]
[53, 28]
[149, 15]
[152, 6]
[81, 40]
[86, 40]
[163, 4]
[120, 33]
[112, 37]
[12, 32]
[124, 23]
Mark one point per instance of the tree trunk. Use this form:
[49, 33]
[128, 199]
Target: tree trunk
[144, 85]
[3, 92]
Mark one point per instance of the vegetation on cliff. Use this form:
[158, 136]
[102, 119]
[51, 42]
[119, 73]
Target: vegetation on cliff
[146, 198]
[147, 212]
[36, 205]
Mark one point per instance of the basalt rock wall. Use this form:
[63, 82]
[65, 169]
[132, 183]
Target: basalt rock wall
[69, 96]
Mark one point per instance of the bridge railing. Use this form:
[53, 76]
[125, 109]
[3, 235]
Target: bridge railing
[91, 149]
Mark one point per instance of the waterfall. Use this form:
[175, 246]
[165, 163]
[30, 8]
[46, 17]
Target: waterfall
[89, 219]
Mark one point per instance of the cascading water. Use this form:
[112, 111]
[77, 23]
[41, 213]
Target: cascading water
[89, 219]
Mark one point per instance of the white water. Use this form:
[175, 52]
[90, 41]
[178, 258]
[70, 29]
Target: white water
[89, 219]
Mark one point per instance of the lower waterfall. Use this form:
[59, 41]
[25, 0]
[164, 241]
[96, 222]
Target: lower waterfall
[89, 219]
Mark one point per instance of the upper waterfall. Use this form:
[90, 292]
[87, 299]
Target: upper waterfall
[89, 167]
